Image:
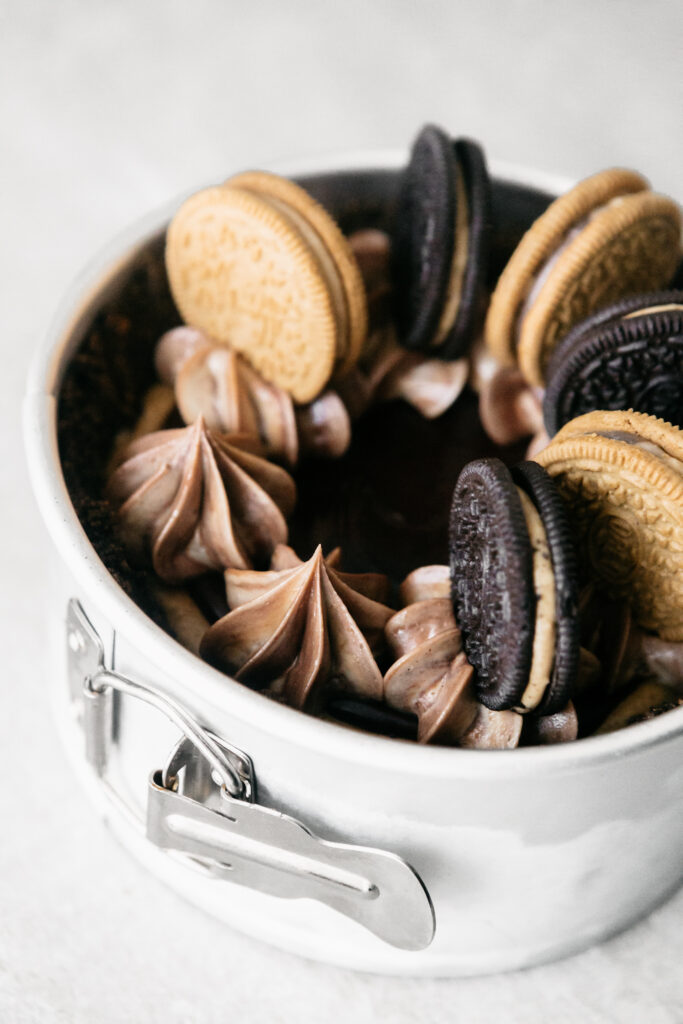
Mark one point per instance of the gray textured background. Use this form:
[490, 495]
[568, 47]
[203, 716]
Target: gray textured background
[107, 110]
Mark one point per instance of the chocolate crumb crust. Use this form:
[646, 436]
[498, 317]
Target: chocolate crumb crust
[101, 396]
[654, 712]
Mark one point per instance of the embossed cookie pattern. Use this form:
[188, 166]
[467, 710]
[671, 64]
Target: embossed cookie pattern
[638, 259]
[240, 273]
[630, 534]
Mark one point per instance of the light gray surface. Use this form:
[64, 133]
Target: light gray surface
[107, 110]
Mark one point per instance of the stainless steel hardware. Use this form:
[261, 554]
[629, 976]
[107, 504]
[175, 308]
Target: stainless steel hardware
[201, 807]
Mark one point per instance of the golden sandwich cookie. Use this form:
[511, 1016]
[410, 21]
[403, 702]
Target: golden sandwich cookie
[332, 248]
[621, 474]
[261, 266]
[606, 238]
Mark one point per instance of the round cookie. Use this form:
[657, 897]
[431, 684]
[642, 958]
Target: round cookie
[303, 205]
[240, 270]
[424, 237]
[607, 237]
[621, 474]
[627, 356]
[630, 246]
[492, 581]
[440, 244]
[536, 483]
[473, 298]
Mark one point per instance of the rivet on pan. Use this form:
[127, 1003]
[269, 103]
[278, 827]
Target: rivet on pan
[76, 641]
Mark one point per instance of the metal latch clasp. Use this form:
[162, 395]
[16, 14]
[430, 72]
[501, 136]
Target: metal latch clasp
[201, 806]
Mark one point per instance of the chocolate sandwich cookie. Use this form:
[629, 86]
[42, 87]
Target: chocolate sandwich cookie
[627, 356]
[606, 238]
[621, 474]
[514, 586]
[440, 244]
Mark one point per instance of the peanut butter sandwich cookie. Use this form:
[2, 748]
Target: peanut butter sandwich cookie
[627, 356]
[606, 238]
[259, 265]
[332, 248]
[514, 586]
[440, 245]
[621, 474]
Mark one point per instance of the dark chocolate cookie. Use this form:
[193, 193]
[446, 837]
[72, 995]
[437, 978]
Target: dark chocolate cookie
[626, 356]
[373, 716]
[539, 487]
[440, 244]
[492, 581]
[469, 319]
[423, 237]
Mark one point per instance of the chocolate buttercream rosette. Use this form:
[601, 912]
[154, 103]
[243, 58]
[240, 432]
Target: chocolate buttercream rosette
[213, 381]
[303, 631]
[432, 679]
[195, 500]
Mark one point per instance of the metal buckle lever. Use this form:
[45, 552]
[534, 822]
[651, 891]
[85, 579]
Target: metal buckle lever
[98, 685]
[200, 806]
[276, 854]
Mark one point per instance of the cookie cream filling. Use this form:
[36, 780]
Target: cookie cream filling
[539, 279]
[669, 307]
[543, 650]
[646, 446]
[328, 266]
[458, 262]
